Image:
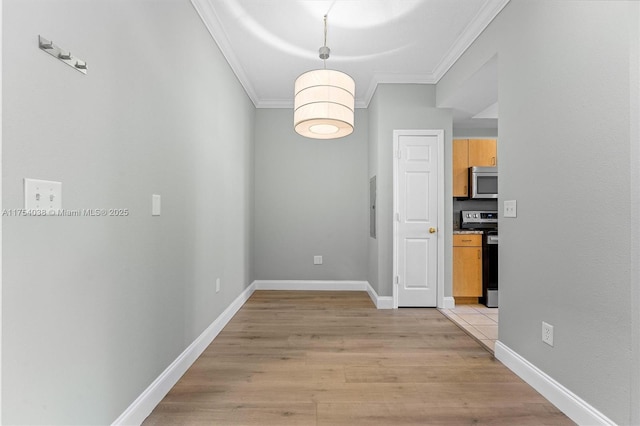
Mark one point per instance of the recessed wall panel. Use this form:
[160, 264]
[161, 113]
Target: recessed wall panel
[418, 153]
[415, 268]
[417, 196]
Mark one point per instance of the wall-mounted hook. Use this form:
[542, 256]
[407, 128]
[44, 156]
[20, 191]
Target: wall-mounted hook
[63, 55]
[44, 43]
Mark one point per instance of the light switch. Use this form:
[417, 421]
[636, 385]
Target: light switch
[510, 208]
[155, 205]
[43, 195]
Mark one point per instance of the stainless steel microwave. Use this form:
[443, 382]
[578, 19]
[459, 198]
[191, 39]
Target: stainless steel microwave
[483, 182]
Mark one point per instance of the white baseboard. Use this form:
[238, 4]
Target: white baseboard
[569, 403]
[381, 302]
[310, 285]
[449, 303]
[151, 397]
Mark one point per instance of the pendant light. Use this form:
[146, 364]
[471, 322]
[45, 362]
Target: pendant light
[324, 101]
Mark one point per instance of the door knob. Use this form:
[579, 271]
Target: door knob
[432, 230]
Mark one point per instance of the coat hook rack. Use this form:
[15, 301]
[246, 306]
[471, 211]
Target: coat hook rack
[63, 55]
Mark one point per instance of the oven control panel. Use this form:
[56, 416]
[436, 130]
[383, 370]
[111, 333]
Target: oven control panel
[479, 219]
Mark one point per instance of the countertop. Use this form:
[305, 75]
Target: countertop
[466, 232]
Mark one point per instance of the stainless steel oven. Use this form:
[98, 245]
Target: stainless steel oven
[483, 182]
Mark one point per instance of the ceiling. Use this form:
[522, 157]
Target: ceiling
[269, 43]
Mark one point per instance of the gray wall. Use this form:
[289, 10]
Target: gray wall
[373, 264]
[402, 107]
[311, 198]
[565, 150]
[634, 231]
[94, 309]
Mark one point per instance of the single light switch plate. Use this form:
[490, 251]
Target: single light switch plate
[43, 195]
[317, 260]
[510, 208]
[547, 333]
[155, 205]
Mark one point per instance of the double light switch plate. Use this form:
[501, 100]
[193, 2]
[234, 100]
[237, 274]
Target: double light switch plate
[43, 195]
[510, 208]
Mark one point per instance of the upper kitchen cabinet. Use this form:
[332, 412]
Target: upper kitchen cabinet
[483, 152]
[460, 167]
[468, 153]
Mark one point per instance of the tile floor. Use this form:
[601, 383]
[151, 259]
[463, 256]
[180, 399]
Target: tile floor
[477, 320]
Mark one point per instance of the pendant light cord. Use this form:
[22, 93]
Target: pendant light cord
[325, 30]
[325, 38]
[324, 60]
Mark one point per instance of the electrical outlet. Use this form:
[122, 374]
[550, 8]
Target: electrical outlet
[547, 333]
[317, 260]
[217, 285]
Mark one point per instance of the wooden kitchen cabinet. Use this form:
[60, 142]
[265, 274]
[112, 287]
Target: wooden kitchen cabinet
[483, 152]
[467, 268]
[468, 153]
[460, 167]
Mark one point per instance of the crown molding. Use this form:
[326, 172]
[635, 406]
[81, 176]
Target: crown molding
[274, 103]
[212, 22]
[477, 25]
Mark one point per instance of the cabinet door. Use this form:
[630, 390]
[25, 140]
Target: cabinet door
[467, 271]
[460, 167]
[483, 152]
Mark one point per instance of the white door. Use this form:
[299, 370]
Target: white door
[416, 217]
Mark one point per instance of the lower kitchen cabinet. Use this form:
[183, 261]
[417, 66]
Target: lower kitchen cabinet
[467, 268]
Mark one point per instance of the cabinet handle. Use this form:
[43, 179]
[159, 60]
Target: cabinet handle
[479, 254]
[493, 161]
[466, 241]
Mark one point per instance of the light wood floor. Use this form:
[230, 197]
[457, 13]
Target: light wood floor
[332, 358]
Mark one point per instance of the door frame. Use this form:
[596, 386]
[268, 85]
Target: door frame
[439, 133]
[1, 218]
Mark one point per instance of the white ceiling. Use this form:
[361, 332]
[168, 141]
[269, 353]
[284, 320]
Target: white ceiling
[268, 43]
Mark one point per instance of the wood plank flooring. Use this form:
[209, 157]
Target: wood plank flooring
[332, 358]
